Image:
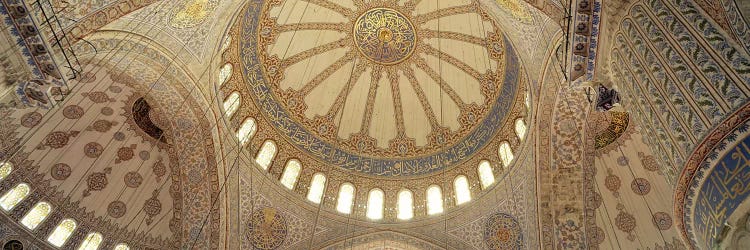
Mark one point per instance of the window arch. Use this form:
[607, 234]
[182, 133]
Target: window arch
[527, 100]
[291, 172]
[375, 203]
[486, 176]
[36, 215]
[461, 187]
[317, 186]
[122, 246]
[231, 104]
[520, 128]
[62, 232]
[14, 196]
[227, 42]
[92, 242]
[266, 154]
[5, 169]
[405, 205]
[224, 73]
[434, 200]
[346, 198]
[246, 131]
[506, 154]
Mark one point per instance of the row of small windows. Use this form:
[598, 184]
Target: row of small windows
[39, 213]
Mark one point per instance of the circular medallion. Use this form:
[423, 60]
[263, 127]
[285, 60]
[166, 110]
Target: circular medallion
[384, 36]
[116, 209]
[662, 221]
[502, 231]
[31, 119]
[267, 229]
[133, 179]
[60, 171]
[640, 186]
[107, 111]
[152, 207]
[93, 149]
[73, 112]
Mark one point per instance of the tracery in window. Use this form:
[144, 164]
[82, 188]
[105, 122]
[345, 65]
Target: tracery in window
[520, 128]
[291, 172]
[346, 198]
[246, 131]
[266, 154]
[36, 215]
[375, 204]
[5, 169]
[405, 205]
[486, 177]
[14, 196]
[506, 155]
[224, 73]
[92, 242]
[62, 232]
[461, 186]
[231, 104]
[122, 246]
[317, 186]
[434, 200]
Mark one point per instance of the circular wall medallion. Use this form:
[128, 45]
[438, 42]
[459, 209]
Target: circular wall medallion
[384, 36]
[133, 179]
[662, 221]
[93, 149]
[640, 186]
[60, 171]
[502, 231]
[116, 209]
[73, 112]
[267, 229]
[31, 119]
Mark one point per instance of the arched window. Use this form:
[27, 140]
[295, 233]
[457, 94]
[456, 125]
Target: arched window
[246, 131]
[92, 242]
[317, 186]
[527, 100]
[266, 154]
[520, 128]
[346, 198]
[486, 177]
[461, 186]
[14, 196]
[227, 42]
[375, 203]
[405, 205]
[36, 215]
[231, 104]
[5, 169]
[62, 232]
[122, 246]
[224, 73]
[291, 172]
[434, 200]
[506, 155]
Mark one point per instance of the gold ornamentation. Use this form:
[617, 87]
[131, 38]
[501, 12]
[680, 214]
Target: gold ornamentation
[384, 36]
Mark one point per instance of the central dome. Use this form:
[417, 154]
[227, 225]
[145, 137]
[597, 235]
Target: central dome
[384, 36]
[380, 88]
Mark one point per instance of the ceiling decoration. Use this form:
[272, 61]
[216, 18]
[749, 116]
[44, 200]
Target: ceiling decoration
[380, 88]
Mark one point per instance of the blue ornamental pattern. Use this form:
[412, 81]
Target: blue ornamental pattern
[255, 78]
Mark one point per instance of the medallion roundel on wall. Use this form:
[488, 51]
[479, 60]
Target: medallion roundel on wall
[267, 228]
[502, 231]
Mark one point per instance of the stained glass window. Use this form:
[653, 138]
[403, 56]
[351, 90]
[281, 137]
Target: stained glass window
[434, 200]
[461, 186]
[520, 128]
[5, 169]
[375, 204]
[317, 186]
[92, 242]
[291, 172]
[62, 232]
[486, 177]
[346, 198]
[266, 154]
[122, 246]
[231, 104]
[14, 196]
[36, 215]
[224, 73]
[246, 131]
[405, 205]
[506, 155]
